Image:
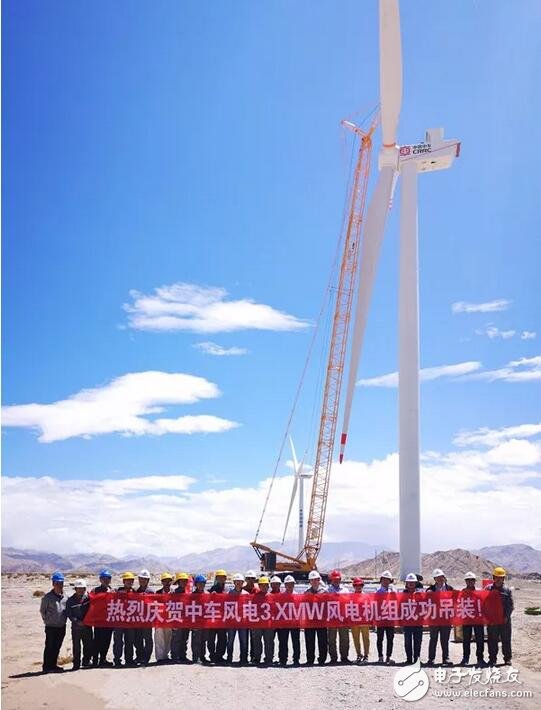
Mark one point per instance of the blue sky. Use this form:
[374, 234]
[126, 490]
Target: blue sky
[146, 145]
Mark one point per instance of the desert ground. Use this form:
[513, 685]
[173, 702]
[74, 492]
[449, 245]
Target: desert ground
[190, 687]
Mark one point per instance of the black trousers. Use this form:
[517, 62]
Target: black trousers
[54, 635]
[102, 641]
[388, 632]
[217, 644]
[310, 640]
[283, 647]
[179, 644]
[143, 645]
[495, 634]
[123, 642]
[479, 634]
[443, 632]
[413, 638]
[81, 635]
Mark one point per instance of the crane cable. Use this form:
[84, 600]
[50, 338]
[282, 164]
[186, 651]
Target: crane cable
[311, 346]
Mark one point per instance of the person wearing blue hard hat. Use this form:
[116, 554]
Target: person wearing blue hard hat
[53, 613]
[102, 636]
[199, 636]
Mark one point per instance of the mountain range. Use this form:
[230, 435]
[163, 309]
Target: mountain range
[517, 558]
[233, 559]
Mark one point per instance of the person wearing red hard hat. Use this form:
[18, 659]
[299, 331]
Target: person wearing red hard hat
[335, 587]
[358, 631]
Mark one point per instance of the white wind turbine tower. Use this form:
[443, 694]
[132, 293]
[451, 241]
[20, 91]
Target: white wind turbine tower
[395, 161]
[300, 476]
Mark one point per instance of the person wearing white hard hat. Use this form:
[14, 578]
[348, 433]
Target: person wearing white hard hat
[413, 635]
[237, 591]
[76, 609]
[478, 630]
[443, 632]
[314, 578]
[143, 637]
[387, 632]
[283, 634]
[250, 585]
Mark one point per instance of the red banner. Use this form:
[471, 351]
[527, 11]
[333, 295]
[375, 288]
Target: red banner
[219, 611]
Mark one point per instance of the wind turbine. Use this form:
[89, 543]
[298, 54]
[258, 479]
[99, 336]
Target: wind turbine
[404, 161]
[300, 476]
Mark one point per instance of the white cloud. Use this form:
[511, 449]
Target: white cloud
[516, 452]
[493, 437]
[122, 406]
[129, 516]
[528, 335]
[218, 350]
[493, 332]
[427, 373]
[500, 304]
[202, 309]
[526, 369]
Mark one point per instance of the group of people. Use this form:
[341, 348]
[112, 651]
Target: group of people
[134, 646]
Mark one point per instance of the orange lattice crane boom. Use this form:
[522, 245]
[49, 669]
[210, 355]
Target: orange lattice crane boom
[307, 558]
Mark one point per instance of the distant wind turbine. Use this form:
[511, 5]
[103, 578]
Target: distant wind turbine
[298, 481]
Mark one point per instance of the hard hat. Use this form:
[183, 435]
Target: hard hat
[144, 574]
[411, 577]
[220, 573]
[250, 574]
[57, 577]
[386, 575]
[200, 579]
[238, 577]
[80, 584]
[335, 574]
[105, 573]
[314, 574]
[263, 580]
[469, 575]
[181, 575]
[438, 573]
[357, 581]
[499, 572]
[289, 579]
[276, 580]
[166, 575]
[127, 575]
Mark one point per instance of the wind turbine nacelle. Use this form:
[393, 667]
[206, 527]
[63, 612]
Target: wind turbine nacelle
[434, 153]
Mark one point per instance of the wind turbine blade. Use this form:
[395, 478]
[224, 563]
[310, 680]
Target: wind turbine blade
[370, 248]
[293, 492]
[295, 460]
[390, 69]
